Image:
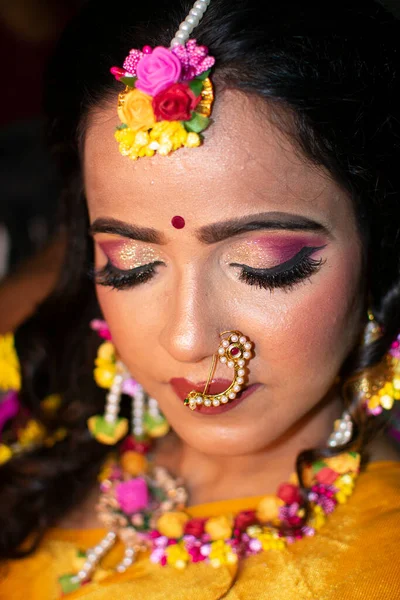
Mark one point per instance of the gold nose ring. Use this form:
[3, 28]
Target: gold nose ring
[235, 350]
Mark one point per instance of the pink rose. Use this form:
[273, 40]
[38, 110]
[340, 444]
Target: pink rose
[157, 70]
[132, 495]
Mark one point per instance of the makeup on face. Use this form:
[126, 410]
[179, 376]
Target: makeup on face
[178, 222]
[268, 251]
[127, 254]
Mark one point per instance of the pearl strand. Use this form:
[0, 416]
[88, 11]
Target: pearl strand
[137, 413]
[93, 557]
[192, 20]
[154, 410]
[127, 561]
[113, 399]
[342, 432]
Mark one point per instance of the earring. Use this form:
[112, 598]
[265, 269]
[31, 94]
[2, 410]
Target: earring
[111, 374]
[379, 388]
[147, 419]
[109, 428]
[235, 350]
[342, 431]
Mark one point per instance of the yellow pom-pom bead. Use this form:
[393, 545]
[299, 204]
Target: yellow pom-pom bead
[219, 528]
[32, 433]
[268, 509]
[5, 454]
[104, 377]
[193, 140]
[10, 376]
[387, 402]
[177, 556]
[134, 463]
[172, 524]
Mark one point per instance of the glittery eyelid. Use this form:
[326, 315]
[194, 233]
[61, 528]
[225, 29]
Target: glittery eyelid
[127, 256]
[288, 263]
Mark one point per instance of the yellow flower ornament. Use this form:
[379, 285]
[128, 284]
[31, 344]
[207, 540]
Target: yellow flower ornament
[10, 374]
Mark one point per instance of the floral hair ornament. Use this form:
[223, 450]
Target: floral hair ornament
[168, 97]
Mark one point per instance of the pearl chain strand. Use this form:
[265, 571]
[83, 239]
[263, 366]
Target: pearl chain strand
[192, 20]
[114, 399]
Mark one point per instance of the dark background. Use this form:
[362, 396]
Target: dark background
[29, 185]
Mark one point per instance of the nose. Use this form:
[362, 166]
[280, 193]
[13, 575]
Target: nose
[191, 330]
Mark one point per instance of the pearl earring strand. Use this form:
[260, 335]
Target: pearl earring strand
[113, 400]
[192, 20]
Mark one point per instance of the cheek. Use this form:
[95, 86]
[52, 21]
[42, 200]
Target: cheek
[133, 321]
[313, 329]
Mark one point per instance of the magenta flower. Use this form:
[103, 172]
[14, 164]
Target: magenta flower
[194, 59]
[157, 71]
[102, 328]
[132, 495]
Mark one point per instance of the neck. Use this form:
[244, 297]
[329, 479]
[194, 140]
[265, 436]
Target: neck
[210, 478]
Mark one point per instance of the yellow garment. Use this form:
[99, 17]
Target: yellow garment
[355, 556]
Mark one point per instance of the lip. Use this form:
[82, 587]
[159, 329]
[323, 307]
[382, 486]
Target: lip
[182, 387]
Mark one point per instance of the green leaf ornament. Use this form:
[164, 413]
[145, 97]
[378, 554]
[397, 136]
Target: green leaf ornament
[129, 81]
[196, 85]
[204, 75]
[197, 123]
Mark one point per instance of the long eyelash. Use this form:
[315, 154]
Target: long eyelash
[285, 279]
[117, 279]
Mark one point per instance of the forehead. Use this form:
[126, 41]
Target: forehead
[245, 165]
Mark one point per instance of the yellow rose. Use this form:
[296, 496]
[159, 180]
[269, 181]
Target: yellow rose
[172, 524]
[219, 528]
[343, 463]
[268, 509]
[136, 110]
[133, 463]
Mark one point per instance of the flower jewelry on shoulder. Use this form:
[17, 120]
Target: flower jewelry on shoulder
[145, 508]
[168, 96]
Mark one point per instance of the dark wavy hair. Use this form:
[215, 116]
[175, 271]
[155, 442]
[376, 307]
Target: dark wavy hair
[330, 70]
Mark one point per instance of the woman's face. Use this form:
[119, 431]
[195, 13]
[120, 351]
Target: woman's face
[270, 248]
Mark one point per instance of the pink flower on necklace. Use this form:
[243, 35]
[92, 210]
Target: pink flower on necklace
[132, 495]
[157, 71]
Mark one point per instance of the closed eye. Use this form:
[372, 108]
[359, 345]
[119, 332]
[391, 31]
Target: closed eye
[119, 279]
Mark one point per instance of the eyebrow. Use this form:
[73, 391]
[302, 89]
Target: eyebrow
[211, 234]
[217, 232]
[133, 232]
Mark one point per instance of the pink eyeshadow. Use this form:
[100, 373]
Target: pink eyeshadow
[266, 252]
[126, 255]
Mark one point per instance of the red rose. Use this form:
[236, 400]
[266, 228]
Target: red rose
[289, 493]
[176, 103]
[195, 527]
[326, 476]
[245, 519]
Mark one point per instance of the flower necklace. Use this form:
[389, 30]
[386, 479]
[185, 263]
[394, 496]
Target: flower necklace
[143, 506]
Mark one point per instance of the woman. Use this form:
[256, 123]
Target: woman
[266, 246]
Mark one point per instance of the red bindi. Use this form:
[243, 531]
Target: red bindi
[178, 222]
